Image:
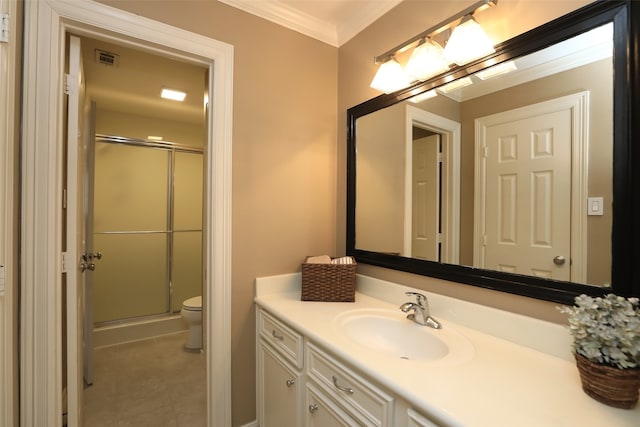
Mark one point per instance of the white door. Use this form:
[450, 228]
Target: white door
[426, 198]
[74, 230]
[528, 196]
[87, 333]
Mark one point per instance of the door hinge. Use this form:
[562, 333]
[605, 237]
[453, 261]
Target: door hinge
[64, 262]
[439, 157]
[439, 238]
[486, 152]
[4, 27]
[67, 81]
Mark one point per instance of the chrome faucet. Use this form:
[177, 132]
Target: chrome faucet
[420, 309]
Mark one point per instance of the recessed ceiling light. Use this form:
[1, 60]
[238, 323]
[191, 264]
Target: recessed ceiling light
[173, 94]
[154, 138]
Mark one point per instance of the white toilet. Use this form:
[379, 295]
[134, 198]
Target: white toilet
[192, 314]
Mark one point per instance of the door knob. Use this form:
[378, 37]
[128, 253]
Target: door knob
[89, 257]
[559, 260]
[87, 266]
[313, 408]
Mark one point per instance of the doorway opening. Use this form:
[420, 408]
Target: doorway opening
[143, 197]
[42, 325]
[432, 212]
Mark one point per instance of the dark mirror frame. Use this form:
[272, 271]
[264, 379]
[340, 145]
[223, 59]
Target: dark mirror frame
[625, 270]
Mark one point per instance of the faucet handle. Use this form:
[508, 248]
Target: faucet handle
[420, 299]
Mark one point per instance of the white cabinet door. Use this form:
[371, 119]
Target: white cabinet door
[280, 392]
[323, 412]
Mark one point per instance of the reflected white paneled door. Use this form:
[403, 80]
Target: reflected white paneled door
[426, 198]
[528, 196]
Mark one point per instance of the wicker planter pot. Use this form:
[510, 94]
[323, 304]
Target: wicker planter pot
[611, 386]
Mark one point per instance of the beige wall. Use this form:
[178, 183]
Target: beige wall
[284, 157]
[380, 185]
[508, 19]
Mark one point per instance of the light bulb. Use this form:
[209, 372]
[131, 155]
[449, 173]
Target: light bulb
[467, 42]
[390, 77]
[426, 61]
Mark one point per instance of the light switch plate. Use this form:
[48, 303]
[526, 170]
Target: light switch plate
[595, 206]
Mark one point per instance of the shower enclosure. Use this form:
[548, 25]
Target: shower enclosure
[148, 226]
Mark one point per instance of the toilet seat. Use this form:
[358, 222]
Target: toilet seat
[193, 304]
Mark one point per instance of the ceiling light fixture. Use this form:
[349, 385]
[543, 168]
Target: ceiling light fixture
[428, 59]
[174, 95]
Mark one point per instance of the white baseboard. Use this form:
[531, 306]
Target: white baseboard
[125, 332]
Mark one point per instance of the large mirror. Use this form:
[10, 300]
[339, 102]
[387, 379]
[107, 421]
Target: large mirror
[505, 173]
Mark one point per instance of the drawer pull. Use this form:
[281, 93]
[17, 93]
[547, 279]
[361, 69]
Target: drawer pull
[313, 408]
[276, 336]
[347, 390]
[290, 383]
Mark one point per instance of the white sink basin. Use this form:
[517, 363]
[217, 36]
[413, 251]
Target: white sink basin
[390, 333]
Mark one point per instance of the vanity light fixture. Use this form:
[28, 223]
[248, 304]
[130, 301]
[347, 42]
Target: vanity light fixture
[174, 95]
[390, 77]
[426, 59]
[468, 41]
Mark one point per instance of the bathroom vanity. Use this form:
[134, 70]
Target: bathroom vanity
[365, 364]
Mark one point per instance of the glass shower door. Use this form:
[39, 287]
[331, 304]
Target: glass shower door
[186, 263]
[131, 229]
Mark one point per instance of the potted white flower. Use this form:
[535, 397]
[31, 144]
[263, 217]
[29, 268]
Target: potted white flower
[606, 333]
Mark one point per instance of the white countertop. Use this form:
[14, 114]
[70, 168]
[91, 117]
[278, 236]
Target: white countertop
[502, 384]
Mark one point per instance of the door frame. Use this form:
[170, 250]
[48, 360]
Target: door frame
[46, 23]
[449, 184]
[9, 129]
[578, 105]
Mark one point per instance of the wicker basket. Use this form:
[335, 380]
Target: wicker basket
[611, 386]
[328, 282]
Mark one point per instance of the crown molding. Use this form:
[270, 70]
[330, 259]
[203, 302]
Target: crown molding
[366, 16]
[327, 32]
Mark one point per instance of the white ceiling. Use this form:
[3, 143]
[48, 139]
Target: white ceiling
[331, 21]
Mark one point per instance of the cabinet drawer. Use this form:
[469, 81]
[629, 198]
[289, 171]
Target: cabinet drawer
[287, 341]
[373, 406]
[323, 412]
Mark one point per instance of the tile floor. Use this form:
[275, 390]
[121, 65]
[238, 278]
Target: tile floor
[152, 382]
